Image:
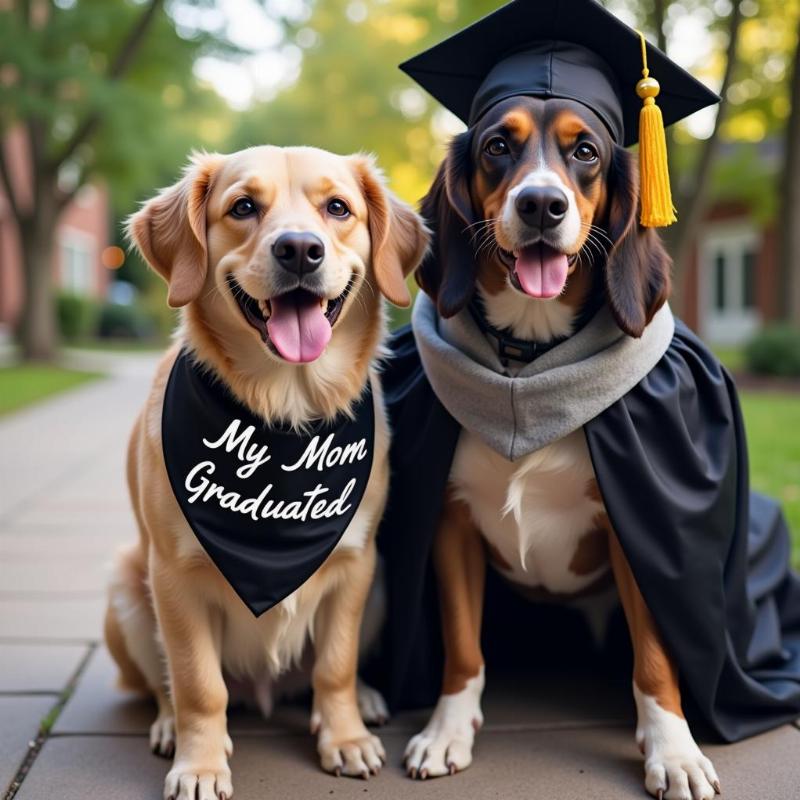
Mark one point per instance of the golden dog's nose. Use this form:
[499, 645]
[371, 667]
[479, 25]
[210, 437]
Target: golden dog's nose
[298, 252]
[541, 206]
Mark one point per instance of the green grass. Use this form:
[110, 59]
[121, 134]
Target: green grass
[732, 357]
[120, 345]
[774, 444]
[28, 383]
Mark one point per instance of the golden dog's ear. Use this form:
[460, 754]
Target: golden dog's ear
[450, 269]
[170, 230]
[399, 237]
[637, 272]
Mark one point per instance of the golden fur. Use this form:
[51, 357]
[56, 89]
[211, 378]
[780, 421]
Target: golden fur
[188, 236]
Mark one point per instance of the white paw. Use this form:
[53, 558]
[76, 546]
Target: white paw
[359, 757]
[674, 766]
[444, 747]
[187, 781]
[371, 704]
[162, 734]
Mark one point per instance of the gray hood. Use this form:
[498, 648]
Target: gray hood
[553, 396]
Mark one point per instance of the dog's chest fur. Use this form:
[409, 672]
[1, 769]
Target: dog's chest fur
[540, 516]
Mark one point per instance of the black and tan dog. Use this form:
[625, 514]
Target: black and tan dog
[557, 204]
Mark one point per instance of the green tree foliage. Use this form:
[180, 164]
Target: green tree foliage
[350, 95]
[99, 89]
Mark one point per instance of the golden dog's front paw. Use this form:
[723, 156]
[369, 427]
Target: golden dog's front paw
[188, 781]
[358, 757]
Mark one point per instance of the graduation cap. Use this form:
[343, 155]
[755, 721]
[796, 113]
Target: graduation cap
[575, 50]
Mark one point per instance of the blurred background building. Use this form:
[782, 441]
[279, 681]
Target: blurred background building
[101, 100]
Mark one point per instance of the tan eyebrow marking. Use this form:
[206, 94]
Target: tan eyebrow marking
[568, 126]
[325, 186]
[519, 124]
[255, 186]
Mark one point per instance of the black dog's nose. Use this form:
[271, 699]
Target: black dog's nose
[541, 206]
[298, 252]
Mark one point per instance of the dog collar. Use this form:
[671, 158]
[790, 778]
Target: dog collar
[509, 347]
[268, 503]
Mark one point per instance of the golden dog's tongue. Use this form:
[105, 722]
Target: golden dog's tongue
[297, 326]
[541, 270]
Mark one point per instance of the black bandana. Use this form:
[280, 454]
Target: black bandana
[267, 503]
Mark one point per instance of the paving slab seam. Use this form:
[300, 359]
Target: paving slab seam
[48, 640]
[46, 725]
[46, 595]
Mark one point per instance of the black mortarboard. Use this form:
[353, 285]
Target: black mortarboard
[573, 49]
[576, 50]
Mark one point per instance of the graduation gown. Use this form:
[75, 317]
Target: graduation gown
[710, 558]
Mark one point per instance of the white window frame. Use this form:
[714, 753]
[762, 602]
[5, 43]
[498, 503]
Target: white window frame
[735, 324]
[77, 244]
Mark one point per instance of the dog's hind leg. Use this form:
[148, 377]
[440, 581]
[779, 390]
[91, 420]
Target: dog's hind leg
[131, 635]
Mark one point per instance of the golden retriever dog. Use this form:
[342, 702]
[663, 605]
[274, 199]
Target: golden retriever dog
[238, 239]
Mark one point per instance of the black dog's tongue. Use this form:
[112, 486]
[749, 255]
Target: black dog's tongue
[542, 271]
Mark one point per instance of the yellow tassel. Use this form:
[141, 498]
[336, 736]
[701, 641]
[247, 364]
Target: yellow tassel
[656, 195]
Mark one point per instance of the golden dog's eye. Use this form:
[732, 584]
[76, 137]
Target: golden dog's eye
[586, 152]
[243, 207]
[496, 146]
[338, 208]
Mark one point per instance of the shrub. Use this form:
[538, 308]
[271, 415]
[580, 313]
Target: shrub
[163, 318]
[775, 351]
[77, 316]
[124, 322]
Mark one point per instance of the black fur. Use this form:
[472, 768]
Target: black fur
[448, 212]
[637, 270]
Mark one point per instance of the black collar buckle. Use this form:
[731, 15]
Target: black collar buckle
[515, 349]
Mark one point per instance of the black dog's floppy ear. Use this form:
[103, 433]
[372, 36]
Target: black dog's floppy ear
[448, 272]
[637, 272]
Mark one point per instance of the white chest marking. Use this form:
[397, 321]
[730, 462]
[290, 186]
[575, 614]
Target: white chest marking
[533, 512]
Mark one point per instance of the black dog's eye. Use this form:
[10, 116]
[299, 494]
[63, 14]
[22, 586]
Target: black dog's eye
[586, 152]
[338, 208]
[243, 207]
[496, 146]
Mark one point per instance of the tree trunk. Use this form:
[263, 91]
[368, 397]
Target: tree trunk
[38, 331]
[691, 203]
[789, 220]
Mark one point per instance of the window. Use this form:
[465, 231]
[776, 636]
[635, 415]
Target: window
[77, 257]
[728, 263]
[749, 278]
[719, 280]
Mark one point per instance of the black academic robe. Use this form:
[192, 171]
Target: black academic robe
[710, 557]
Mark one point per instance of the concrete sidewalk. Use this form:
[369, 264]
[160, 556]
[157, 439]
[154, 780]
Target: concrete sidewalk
[64, 511]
